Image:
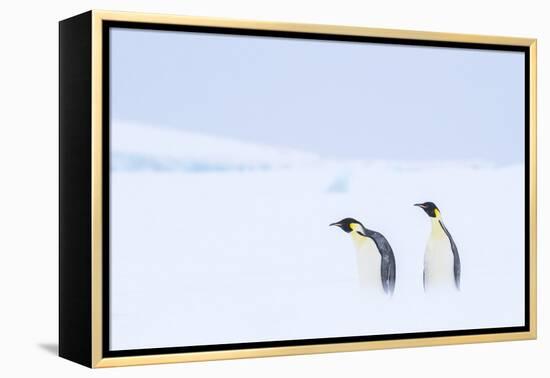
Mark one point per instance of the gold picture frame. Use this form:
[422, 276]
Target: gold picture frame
[82, 272]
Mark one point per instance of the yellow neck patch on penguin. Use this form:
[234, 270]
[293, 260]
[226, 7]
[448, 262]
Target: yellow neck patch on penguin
[358, 239]
[437, 230]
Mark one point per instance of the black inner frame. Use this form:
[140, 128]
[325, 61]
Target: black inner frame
[107, 25]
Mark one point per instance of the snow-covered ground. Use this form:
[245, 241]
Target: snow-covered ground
[217, 241]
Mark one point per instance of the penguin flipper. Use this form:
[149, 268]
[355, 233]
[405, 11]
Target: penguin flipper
[387, 266]
[456, 257]
[388, 274]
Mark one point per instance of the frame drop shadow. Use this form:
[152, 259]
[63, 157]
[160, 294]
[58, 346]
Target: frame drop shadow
[51, 348]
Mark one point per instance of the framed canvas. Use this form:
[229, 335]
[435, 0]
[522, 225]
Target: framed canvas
[236, 189]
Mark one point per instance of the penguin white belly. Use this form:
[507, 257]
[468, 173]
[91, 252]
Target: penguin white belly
[438, 264]
[368, 265]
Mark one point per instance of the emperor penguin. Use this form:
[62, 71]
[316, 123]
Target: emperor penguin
[375, 259]
[441, 259]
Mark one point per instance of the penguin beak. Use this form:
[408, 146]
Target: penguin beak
[421, 205]
[335, 224]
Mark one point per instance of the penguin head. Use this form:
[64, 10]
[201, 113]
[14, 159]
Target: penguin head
[347, 224]
[430, 208]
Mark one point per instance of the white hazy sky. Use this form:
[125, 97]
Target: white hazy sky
[336, 99]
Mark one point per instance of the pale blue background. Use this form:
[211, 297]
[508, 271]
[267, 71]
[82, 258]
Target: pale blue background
[343, 100]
